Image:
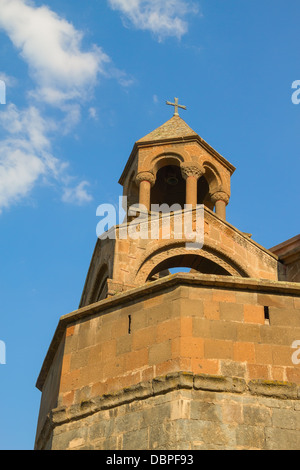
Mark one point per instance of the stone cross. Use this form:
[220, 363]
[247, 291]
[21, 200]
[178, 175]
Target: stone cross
[176, 105]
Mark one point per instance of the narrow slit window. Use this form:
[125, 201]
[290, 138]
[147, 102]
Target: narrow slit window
[267, 315]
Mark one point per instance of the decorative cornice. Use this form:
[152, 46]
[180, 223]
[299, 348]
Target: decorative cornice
[192, 169]
[145, 176]
[288, 251]
[220, 196]
[166, 384]
[179, 140]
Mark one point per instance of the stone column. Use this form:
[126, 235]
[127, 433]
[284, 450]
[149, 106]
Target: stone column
[145, 180]
[220, 200]
[191, 172]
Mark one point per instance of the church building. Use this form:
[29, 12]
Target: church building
[177, 345]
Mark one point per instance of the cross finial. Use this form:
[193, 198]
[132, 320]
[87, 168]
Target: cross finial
[176, 105]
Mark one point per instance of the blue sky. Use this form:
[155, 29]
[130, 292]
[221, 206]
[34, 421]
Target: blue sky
[85, 80]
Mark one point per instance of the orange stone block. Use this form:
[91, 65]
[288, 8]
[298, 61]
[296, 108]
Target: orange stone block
[69, 381]
[223, 296]
[191, 347]
[244, 352]
[168, 330]
[144, 337]
[70, 331]
[254, 314]
[218, 349]
[211, 310]
[263, 353]
[258, 372]
[66, 364]
[278, 373]
[205, 366]
[293, 374]
[282, 356]
[174, 365]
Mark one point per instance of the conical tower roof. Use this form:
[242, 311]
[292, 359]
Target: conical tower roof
[172, 129]
[175, 131]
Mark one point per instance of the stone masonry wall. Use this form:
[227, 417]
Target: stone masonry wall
[210, 325]
[133, 260]
[199, 329]
[185, 412]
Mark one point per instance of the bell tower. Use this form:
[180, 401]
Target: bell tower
[159, 358]
[173, 165]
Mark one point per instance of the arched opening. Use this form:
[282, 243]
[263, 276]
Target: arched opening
[213, 183]
[100, 290]
[170, 187]
[132, 192]
[203, 196]
[186, 263]
[103, 290]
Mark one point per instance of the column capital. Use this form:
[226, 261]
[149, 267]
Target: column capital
[220, 196]
[145, 176]
[191, 169]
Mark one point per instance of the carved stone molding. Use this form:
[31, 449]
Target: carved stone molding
[145, 176]
[192, 169]
[220, 196]
[172, 250]
[190, 382]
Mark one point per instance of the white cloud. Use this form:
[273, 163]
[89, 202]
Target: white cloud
[26, 157]
[93, 113]
[8, 80]
[19, 171]
[25, 154]
[64, 76]
[162, 17]
[52, 48]
[77, 195]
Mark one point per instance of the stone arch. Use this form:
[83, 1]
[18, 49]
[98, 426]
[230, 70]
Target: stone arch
[99, 290]
[131, 190]
[175, 157]
[216, 188]
[203, 192]
[194, 262]
[170, 186]
[166, 160]
[213, 177]
[213, 257]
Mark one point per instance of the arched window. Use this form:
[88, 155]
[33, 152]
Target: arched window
[203, 196]
[100, 290]
[186, 263]
[170, 187]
